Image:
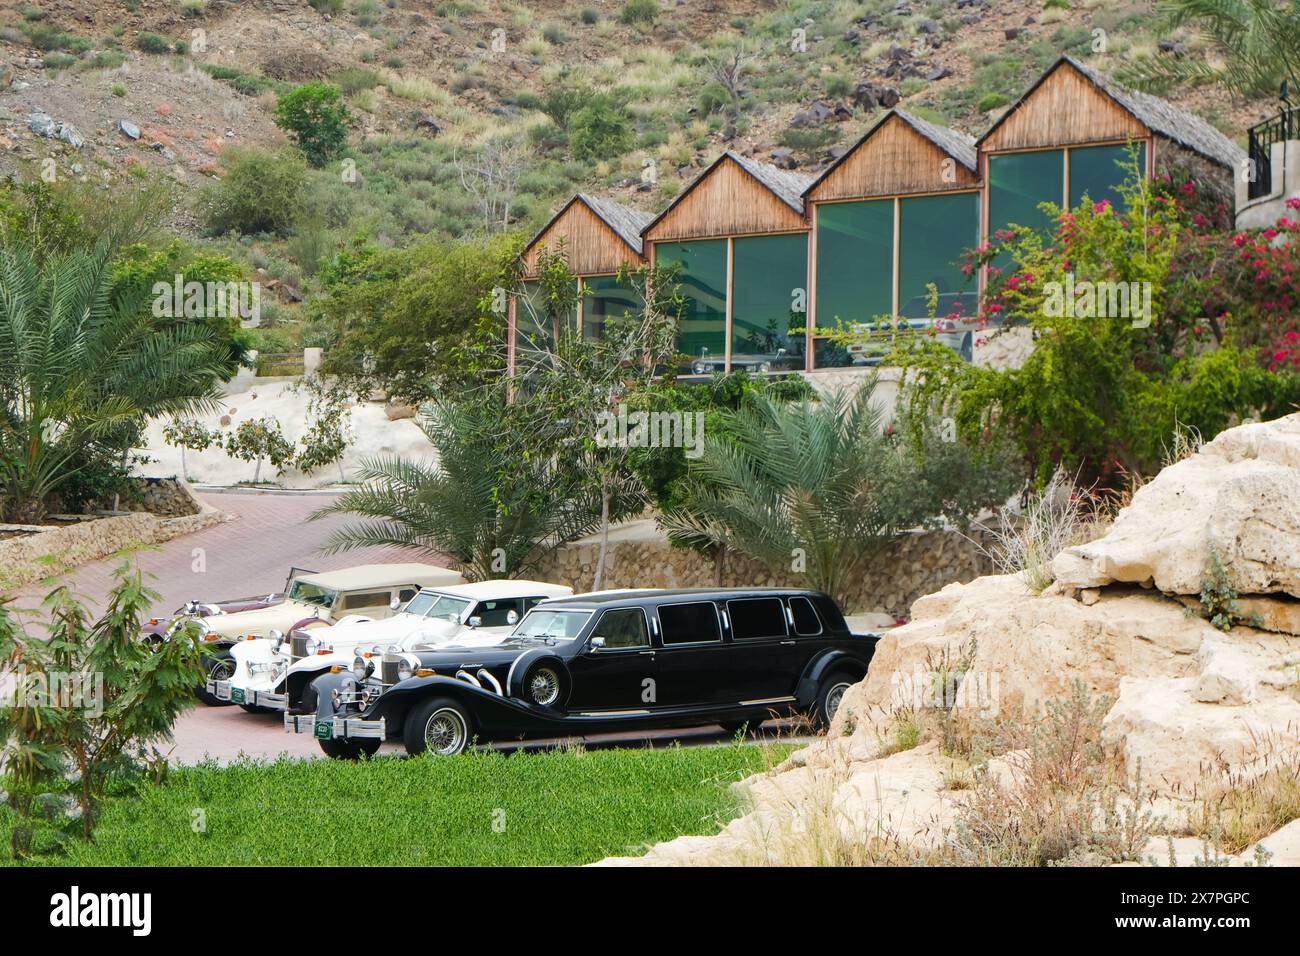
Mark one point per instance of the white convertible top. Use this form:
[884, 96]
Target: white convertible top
[383, 575]
[504, 588]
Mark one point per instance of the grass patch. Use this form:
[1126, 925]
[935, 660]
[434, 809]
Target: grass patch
[558, 807]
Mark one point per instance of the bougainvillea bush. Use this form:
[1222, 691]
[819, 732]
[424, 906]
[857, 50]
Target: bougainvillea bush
[1203, 340]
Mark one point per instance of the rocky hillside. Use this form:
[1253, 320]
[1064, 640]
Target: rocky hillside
[101, 86]
[1144, 707]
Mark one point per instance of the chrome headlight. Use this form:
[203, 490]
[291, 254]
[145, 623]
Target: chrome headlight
[312, 646]
[361, 668]
[405, 669]
[276, 638]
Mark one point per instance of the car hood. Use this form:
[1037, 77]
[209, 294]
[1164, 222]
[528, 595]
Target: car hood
[403, 629]
[261, 621]
[459, 654]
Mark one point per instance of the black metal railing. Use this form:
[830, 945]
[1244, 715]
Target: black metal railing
[1279, 129]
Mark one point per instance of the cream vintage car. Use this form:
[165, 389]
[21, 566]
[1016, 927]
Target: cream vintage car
[274, 674]
[310, 601]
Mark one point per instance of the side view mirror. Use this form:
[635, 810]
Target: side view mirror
[395, 603]
[512, 618]
[597, 643]
[475, 621]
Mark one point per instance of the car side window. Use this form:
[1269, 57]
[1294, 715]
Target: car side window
[756, 618]
[622, 628]
[694, 623]
[495, 613]
[406, 594]
[806, 622]
[363, 599]
[532, 602]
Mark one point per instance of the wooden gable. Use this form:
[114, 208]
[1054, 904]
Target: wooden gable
[1063, 109]
[591, 245]
[726, 200]
[892, 159]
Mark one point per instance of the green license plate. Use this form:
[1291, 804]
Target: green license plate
[237, 695]
[324, 729]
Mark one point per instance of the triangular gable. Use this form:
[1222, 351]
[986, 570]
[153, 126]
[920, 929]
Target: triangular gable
[899, 155]
[592, 244]
[727, 199]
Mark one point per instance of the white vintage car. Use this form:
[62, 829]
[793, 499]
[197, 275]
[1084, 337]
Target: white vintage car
[311, 600]
[274, 673]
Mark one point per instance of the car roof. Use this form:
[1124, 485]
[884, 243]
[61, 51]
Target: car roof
[383, 575]
[639, 597]
[504, 588]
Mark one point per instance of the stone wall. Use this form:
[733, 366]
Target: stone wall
[29, 558]
[164, 497]
[913, 565]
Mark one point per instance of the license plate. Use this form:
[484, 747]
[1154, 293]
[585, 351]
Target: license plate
[324, 729]
[237, 695]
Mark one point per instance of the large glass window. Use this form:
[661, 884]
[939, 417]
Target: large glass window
[1099, 170]
[756, 618]
[695, 623]
[855, 261]
[532, 327]
[702, 276]
[622, 627]
[1018, 182]
[605, 297]
[769, 274]
[933, 232]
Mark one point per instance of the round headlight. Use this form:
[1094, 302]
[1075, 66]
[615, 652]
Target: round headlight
[311, 646]
[404, 669]
[360, 668]
[276, 638]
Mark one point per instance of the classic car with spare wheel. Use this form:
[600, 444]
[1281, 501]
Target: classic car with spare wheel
[598, 663]
[311, 600]
[272, 674]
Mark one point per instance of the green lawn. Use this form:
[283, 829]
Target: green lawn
[554, 807]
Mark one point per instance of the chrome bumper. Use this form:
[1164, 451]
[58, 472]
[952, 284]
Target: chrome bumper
[219, 689]
[333, 728]
[270, 700]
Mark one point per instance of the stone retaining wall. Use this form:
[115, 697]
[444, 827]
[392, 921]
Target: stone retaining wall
[164, 497]
[915, 564]
[32, 557]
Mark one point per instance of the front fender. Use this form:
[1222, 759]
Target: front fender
[493, 714]
[829, 660]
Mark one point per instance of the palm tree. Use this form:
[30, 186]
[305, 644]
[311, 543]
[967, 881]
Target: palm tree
[1259, 40]
[82, 369]
[818, 486]
[489, 505]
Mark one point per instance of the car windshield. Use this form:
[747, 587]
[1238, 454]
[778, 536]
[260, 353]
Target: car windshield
[442, 607]
[312, 594]
[551, 625]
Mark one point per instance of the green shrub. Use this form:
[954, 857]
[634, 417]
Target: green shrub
[147, 42]
[332, 7]
[990, 101]
[642, 12]
[118, 89]
[317, 121]
[838, 85]
[601, 129]
[355, 80]
[553, 34]
[589, 15]
[260, 193]
[366, 12]
[192, 8]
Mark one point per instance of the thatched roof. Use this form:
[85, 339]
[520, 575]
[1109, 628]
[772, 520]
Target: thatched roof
[624, 220]
[787, 186]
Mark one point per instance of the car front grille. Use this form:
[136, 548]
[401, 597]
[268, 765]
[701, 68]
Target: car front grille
[298, 645]
[388, 669]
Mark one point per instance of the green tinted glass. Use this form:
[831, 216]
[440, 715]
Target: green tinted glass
[769, 274]
[1099, 170]
[702, 276]
[855, 261]
[532, 327]
[1018, 182]
[933, 232]
[605, 297]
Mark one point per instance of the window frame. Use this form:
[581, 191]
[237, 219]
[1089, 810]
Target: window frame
[717, 618]
[821, 625]
[645, 621]
[785, 622]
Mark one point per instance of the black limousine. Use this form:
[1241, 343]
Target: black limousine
[600, 662]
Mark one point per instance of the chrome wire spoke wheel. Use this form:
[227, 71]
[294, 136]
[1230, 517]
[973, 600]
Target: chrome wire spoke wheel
[445, 733]
[222, 670]
[544, 686]
[833, 698]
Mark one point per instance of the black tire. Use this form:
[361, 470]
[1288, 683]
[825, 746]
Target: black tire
[223, 666]
[544, 684]
[750, 727]
[418, 729]
[349, 749]
[309, 700]
[829, 695]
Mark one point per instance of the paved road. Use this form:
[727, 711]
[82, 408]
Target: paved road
[251, 554]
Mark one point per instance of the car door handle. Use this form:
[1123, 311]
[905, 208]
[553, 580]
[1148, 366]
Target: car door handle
[648, 653]
[787, 643]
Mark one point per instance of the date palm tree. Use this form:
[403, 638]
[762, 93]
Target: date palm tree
[815, 488]
[489, 504]
[1258, 39]
[81, 369]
